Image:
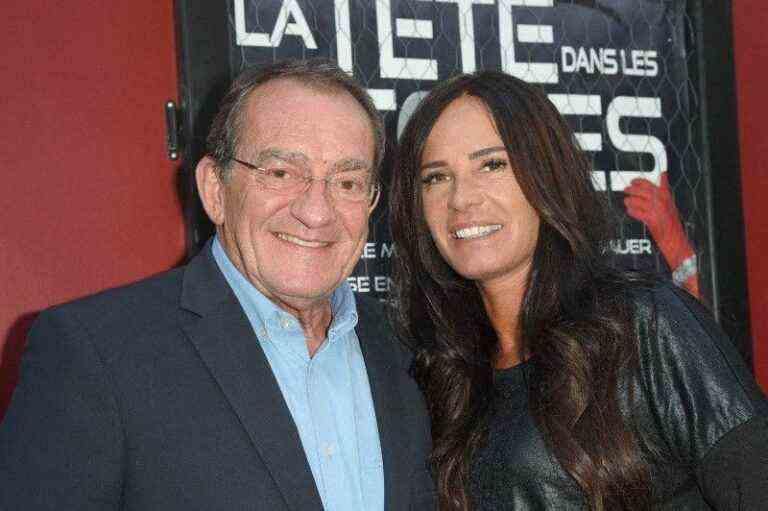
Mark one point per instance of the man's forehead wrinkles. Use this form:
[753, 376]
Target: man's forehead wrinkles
[282, 154]
[293, 156]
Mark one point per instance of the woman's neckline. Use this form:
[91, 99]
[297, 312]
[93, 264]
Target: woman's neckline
[513, 376]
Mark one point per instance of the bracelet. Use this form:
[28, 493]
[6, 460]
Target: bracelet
[685, 270]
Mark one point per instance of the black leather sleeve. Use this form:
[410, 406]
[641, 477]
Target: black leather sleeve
[734, 474]
[704, 399]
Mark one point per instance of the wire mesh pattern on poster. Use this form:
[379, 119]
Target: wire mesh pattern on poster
[619, 70]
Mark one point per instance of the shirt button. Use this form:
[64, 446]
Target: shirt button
[285, 322]
[328, 450]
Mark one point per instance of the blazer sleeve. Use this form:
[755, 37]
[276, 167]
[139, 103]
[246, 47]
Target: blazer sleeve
[705, 400]
[61, 442]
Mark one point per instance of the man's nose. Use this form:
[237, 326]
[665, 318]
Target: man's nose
[465, 193]
[314, 207]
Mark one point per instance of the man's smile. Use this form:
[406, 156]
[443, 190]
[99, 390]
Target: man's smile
[301, 242]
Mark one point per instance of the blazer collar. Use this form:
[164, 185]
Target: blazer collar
[224, 339]
[222, 335]
[204, 289]
[385, 373]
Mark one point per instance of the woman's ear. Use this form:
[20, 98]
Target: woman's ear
[211, 189]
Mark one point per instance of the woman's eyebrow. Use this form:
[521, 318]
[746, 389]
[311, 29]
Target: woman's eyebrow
[472, 156]
[433, 165]
[484, 152]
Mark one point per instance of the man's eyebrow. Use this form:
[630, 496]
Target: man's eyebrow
[472, 156]
[351, 164]
[280, 154]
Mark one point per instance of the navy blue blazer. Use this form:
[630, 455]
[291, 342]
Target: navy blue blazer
[157, 396]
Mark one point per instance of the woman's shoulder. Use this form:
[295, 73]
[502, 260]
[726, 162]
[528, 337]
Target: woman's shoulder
[668, 319]
[657, 296]
[649, 297]
[683, 352]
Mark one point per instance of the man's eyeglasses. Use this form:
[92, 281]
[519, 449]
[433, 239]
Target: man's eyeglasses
[347, 186]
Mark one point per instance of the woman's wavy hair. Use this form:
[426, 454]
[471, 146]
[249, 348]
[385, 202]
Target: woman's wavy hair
[578, 334]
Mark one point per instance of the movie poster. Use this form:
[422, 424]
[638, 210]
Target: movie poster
[617, 70]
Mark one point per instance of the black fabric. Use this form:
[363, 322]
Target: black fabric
[157, 396]
[693, 400]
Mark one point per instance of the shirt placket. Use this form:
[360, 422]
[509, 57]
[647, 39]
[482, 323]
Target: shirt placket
[336, 476]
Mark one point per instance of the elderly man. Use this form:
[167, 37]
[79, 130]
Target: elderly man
[252, 378]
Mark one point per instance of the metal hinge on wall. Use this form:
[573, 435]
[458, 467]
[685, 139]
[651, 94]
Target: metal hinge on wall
[172, 130]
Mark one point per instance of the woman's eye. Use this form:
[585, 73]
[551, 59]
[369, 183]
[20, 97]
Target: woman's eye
[494, 165]
[433, 179]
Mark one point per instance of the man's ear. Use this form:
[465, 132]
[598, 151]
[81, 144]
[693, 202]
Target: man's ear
[211, 189]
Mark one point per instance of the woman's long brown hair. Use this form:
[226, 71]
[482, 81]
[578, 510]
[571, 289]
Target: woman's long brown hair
[576, 330]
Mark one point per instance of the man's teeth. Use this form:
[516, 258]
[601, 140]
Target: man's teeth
[477, 231]
[301, 242]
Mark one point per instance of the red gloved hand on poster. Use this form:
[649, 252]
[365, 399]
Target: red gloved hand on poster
[655, 207]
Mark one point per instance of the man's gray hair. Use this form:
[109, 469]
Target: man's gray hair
[226, 129]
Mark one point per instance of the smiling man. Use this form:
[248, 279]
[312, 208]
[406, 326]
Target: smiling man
[251, 378]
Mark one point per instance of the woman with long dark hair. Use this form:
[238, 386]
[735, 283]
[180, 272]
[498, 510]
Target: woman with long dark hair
[553, 381]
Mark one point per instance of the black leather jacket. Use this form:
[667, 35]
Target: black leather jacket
[694, 400]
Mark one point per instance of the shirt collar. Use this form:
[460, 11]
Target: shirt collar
[343, 309]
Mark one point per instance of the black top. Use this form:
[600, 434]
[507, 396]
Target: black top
[694, 400]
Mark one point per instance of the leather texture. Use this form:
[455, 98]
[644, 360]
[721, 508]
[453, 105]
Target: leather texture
[691, 397]
[157, 396]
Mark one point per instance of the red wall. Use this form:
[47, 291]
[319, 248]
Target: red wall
[88, 196]
[750, 18]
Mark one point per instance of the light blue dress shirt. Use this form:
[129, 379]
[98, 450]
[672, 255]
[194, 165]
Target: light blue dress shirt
[328, 395]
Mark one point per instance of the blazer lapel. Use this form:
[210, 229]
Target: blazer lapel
[375, 343]
[222, 335]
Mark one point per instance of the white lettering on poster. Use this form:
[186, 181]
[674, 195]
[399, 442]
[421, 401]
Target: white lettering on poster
[609, 61]
[382, 284]
[632, 246]
[639, 63]
[289, 9]
[400, 67]
[369, 251]
[643, 107]
[367, 284]
[618, 108]
[589, 60]
[583, 104]
[387, 249]
[535, 72]
[343, 35]
[360, 283]
[467, 31]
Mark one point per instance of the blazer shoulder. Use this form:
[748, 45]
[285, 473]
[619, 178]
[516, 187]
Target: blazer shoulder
[160, 290]
[111, 316]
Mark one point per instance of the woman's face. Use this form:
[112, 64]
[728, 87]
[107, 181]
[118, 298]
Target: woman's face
[481, 222]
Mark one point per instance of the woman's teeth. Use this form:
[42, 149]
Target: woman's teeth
[477, 231]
